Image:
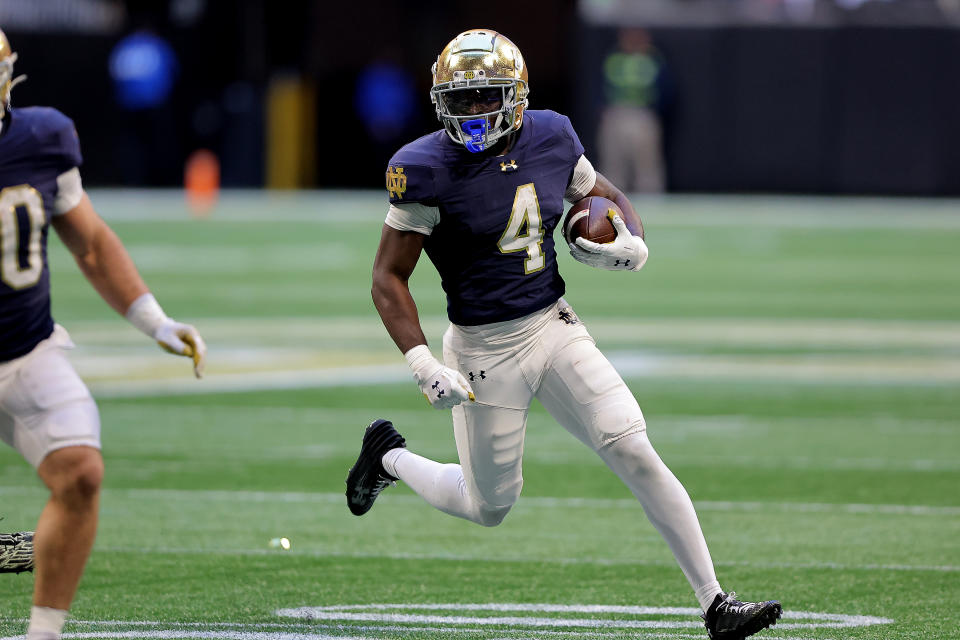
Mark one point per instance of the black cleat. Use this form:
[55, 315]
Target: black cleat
[16, 552]
[730, 619]
[367, 477]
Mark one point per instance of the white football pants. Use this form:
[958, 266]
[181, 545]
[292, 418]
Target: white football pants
[44, 405]
[548, 355]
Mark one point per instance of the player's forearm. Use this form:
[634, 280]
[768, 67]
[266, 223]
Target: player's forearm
[398, 311]
[109, 268]
[607, 189]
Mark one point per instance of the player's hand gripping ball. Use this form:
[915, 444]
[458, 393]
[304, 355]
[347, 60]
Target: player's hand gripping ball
[600, 235]
[590, 218]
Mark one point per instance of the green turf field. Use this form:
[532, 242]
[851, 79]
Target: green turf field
[797, 360]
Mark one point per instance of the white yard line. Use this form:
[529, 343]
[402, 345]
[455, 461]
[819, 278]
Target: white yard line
[304, 626]
[295, 353]
[203, 495]
[574, 621]
[716, 210]
[793, 370]
[378, 631]
[710, 331]
[214, 382]
[552, 560]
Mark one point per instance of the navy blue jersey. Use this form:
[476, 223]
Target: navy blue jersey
[37, 144]
[493, 245]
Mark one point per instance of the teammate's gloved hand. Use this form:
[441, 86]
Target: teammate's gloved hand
[183, 340]
[626, 253]
[443, 387]
[178, 338]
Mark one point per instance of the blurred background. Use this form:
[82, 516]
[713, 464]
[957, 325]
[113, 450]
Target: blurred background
[795, 96]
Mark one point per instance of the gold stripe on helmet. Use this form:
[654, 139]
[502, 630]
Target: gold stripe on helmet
[481, 58]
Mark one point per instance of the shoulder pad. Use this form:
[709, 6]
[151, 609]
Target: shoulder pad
[54, 133]
[409, 183]
[410, 172]
[554, 130]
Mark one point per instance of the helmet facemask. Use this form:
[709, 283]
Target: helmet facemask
[461, 103]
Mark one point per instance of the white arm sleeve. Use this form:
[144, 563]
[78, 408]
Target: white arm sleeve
[584, 177]
[69, 191]
[413, 216]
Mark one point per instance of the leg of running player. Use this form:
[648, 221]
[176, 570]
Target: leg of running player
[68, 523]
[487, 482]
[47, 413]
[584, 393]
[64, 535]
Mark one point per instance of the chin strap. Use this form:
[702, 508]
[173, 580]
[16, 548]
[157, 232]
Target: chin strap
[20, 78]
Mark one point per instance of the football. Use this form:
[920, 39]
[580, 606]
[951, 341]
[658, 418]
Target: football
[587, 218]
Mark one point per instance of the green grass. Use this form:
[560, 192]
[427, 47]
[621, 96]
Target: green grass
[796, 360]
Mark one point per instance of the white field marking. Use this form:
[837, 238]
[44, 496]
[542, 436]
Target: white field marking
[296, 630]
[261, 206]
[558, 560]
[213, 382]
[543, 502]
[296, 353]
[242, 205]
[347, 612]
[808, 368]
[638, 633]
[220, 259]
[667, 429]
[362, 628]
[206, 635]
[814, 332]
[174, 633]
[795, 370]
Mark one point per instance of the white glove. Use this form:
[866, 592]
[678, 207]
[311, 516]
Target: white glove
[176, 337]
[626, 253]
[183, 340]
[442, 386]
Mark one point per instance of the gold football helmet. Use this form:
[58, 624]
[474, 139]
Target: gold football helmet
[7, 81]
[479, 88]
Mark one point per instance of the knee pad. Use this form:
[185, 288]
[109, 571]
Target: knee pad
[492, 516]
[632, 454]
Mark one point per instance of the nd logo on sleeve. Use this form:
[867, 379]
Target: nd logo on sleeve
[396, 182]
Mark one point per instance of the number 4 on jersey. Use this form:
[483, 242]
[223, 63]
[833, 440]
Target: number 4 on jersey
[524, 231]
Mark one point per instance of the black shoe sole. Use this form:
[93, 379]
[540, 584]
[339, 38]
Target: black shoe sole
[766, 618]
[763, 621]
[379, 438]
[24, 562]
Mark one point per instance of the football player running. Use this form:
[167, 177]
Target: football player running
[482, 197]
[46, 412]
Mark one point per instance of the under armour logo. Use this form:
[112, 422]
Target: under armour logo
[626, 263]
[567, 315]
[473, 377]
[359, 494]
[507, 167]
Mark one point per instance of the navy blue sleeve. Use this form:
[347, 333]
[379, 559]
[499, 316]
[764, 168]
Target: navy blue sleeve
[57, 138]
[576, 147]
[409, 182]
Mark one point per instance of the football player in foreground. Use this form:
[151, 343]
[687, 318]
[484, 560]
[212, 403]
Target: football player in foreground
[46, 412]
[482, 197]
